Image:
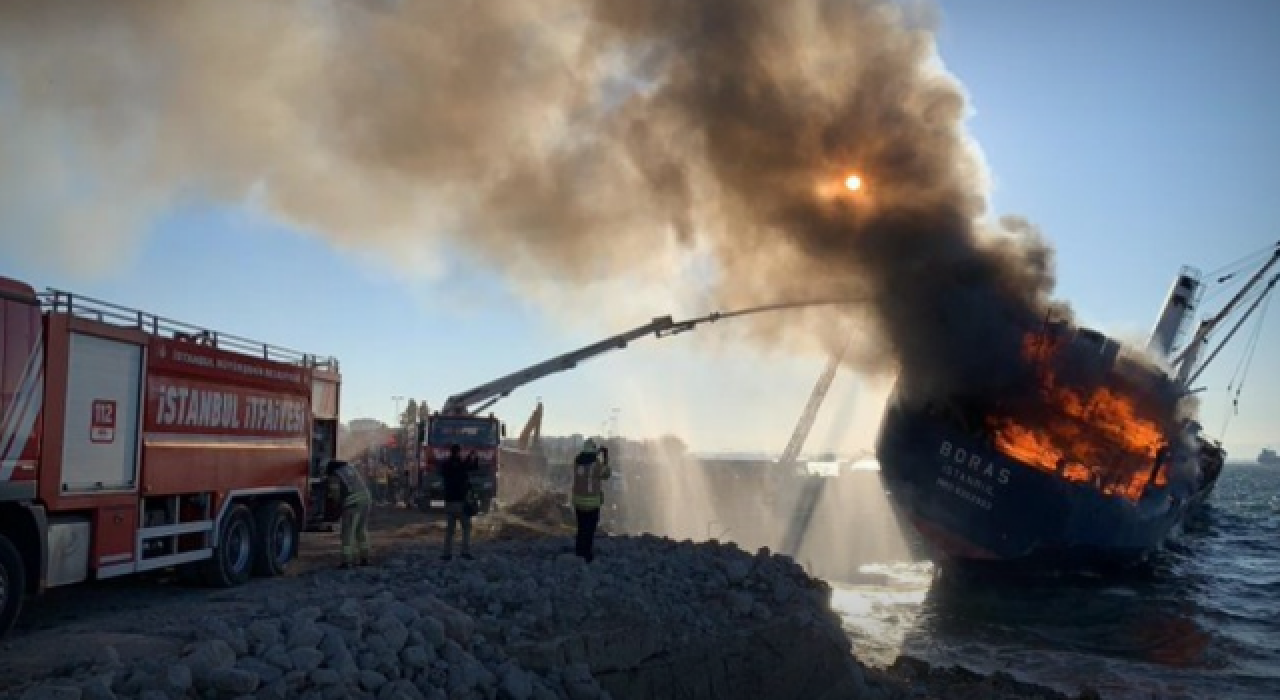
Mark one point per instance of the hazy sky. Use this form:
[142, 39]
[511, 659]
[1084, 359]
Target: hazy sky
[1139, 136]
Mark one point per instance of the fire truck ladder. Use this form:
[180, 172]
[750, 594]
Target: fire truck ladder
[811, 487]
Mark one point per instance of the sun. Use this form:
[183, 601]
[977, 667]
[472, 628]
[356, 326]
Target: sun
[853, 183]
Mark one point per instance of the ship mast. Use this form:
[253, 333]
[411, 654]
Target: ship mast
[1185, 364]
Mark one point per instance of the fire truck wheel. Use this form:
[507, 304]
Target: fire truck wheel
[277, 528]
[232, 562]
[13, 584]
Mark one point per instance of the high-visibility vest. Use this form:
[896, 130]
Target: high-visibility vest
[588, 482]
[350, 487]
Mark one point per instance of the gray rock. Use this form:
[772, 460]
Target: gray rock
[516, 684]
[52, 692]
[107, 657]
[306, 659]
[416, 657]
[277, 604]
[279, 657]
[208, 656]
[305, 615]
[263, 634]
[267, 673]
[98, 688]
[740, 603]
[177, 679]
[432, 631]
[393, 631]
[276, 691]
[761, 612]
[372, 680]
[347, 617]
[334, 646]
[368, 661]
[400, 690]
[403, 612]
[305, 635]
[233, 681]
[294, 679]
[154, 695]
[323, 677]
[579, 684]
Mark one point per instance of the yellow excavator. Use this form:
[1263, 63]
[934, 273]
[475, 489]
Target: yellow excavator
[525, 467]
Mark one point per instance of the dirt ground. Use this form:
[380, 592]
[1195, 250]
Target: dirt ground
[148, 614]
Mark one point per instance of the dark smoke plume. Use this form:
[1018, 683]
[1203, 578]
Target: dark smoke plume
[563, 139]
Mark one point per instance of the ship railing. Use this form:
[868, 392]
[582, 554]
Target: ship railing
[57, 301]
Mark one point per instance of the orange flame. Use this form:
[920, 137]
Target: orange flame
[1083, 435]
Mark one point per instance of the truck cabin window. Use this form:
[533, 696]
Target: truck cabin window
[465, 433]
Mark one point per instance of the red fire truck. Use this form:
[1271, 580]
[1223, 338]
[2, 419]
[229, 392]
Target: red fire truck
[132, 443]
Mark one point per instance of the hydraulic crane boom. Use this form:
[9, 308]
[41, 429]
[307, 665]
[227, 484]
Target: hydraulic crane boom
[478, 399]
[487, 394]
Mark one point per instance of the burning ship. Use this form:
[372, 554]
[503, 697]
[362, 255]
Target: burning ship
[1090, 463]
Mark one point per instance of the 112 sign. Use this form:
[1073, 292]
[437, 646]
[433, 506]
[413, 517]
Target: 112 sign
[102, 428]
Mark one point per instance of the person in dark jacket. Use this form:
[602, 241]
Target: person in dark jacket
[456, 474]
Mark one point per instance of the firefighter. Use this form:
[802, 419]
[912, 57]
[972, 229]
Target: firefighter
[590, 469]
[348, 488]
[456, 474]
[381, 476]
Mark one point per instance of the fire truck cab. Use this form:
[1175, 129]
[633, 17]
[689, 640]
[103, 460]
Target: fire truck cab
[132, 443]
[480, 440]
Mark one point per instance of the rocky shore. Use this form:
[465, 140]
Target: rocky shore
[527, 620]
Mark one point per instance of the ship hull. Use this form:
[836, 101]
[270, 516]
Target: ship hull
[978, 507]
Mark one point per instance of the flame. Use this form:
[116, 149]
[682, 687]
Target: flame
[1085, 435]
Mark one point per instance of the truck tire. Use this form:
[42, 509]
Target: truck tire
[276, 525]
[232, 562]
[13, 584]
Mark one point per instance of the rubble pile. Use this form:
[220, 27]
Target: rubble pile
[526, 620]
[545, 508]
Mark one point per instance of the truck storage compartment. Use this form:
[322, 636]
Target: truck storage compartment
[100, 448]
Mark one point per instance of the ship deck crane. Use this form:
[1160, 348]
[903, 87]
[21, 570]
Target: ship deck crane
[811, 491]
[1185, 363]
